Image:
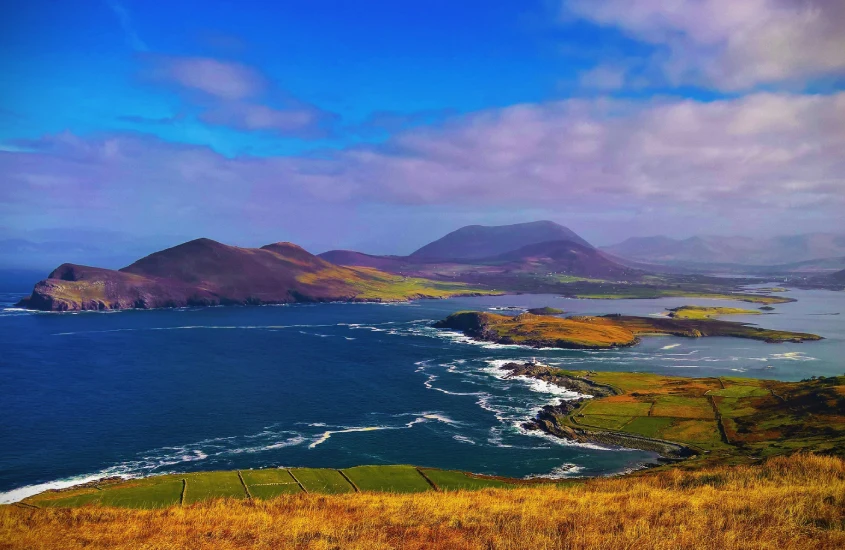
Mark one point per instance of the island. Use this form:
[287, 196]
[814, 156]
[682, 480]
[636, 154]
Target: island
[546, 311]
[705, 312]
[599, 332]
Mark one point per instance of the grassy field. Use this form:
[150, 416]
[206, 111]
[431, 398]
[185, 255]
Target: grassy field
[703, 312]
[599, 332]
[269, 483]
[724, 416]
[628, 292]
[153, 492]
[371, 284]
[206, 485]
[263, 484]
[795, 502]
[321, 480]
[404, 479]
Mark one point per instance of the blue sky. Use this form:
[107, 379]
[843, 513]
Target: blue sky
[381, 125]
[83, 70]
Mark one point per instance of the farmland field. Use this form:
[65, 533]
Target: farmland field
[398, 479]
[322, 480]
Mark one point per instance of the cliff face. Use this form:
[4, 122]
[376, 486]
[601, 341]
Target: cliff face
[76, 287]
[205, 272]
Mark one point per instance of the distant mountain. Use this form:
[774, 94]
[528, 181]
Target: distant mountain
[474, 252]
[565, 258]
[206, 272]
[731, 250]
[474, 242]
[838, 277]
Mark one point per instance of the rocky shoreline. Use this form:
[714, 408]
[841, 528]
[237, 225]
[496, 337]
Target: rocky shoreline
[552, 419]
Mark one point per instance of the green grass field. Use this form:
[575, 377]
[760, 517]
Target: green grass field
[706, 312]
[648, 426]
[167, 490]
[606, 422]
[614, 407]
[396, 479]
[144, 494]
[270, 482]
[208, 485]
[321, 480]
[740, 391]
[683, 407]
[152, 492]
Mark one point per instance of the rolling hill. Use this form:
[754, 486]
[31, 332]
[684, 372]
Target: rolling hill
[480, 251]
[475, 242]
[564, 257]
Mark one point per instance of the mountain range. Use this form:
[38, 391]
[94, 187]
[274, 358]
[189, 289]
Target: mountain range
[206, 272]
[528, 257]
[743, 251]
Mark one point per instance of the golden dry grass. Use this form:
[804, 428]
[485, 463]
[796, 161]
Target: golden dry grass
[788, 502]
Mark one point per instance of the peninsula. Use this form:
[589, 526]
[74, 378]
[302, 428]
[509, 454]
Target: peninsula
[603, 332]
[712, 419]
[207, 273]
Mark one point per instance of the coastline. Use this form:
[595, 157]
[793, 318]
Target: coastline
[554, 419]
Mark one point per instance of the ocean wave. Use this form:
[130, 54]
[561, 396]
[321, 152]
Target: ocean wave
[559, 472]
[791, 356]
[420, 418]
[16, 495]
[534, 384]
[671, 346]
[163, 459]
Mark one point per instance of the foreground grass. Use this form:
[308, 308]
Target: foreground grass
[787, 502]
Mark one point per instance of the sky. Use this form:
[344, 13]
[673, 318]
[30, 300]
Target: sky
[382, 125]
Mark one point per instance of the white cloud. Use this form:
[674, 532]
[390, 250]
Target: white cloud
[731, 44]
[220, 79]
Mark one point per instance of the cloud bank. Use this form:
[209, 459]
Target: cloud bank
[772, 153]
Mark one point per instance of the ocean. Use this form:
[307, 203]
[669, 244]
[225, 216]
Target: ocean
[91, 395]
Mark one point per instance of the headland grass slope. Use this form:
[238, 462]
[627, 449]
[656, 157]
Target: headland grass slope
[715, 418]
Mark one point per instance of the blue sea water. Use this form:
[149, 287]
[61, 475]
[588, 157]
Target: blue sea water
[90, 395]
